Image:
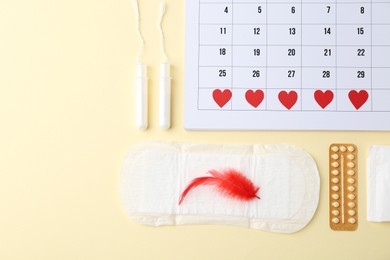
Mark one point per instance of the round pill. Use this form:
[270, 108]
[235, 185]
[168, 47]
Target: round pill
[335, 180]
[335, 204]
[351, 156]
[335, 172]
[351, 180]
[351, 212]
[335, 148]
[352, 220]
[335, 212]
[335, 188]
[351, 188]
[343, 148]
[335, 196]
[335, 156]
[351, 196]
[335, 164]
[335, 220]
[351, 172]
[351, 204]
[351, 148]
[351, 165]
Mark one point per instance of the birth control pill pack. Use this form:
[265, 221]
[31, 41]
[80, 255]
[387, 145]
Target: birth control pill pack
[343, 187]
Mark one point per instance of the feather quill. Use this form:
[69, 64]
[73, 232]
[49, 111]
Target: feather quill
[230, 183]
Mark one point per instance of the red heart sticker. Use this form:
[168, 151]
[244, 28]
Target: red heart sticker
[288, 99]
[254, 97]
[222, 97]
[358, 99]
[323, 98]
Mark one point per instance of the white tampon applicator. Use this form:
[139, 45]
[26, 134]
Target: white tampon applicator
[164, 87]
[164, 96]
[141, 81]
[141, 89]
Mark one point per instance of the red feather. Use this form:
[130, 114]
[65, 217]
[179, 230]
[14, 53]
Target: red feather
[230, 183]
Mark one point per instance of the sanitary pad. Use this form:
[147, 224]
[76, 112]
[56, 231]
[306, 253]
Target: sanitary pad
[155, 174]
[378, 184]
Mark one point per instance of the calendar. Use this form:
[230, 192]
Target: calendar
[287, 65]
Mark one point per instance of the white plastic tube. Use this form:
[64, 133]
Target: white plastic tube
[141, 89]
[164, 95]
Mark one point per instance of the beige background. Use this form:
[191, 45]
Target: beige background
[67, 120]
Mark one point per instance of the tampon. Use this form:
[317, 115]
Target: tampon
[164, 96]
[141, 88]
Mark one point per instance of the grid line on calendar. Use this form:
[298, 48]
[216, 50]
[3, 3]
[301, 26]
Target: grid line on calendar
[337, 50]
[285, 24]
[293, 111]
[372, 99]
[232, 54]
[303, 45]
[303, 2]
[266, 55]
[301, 81]
[198, 60]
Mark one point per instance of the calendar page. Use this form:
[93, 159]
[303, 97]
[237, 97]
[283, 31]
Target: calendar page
[287, 64]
